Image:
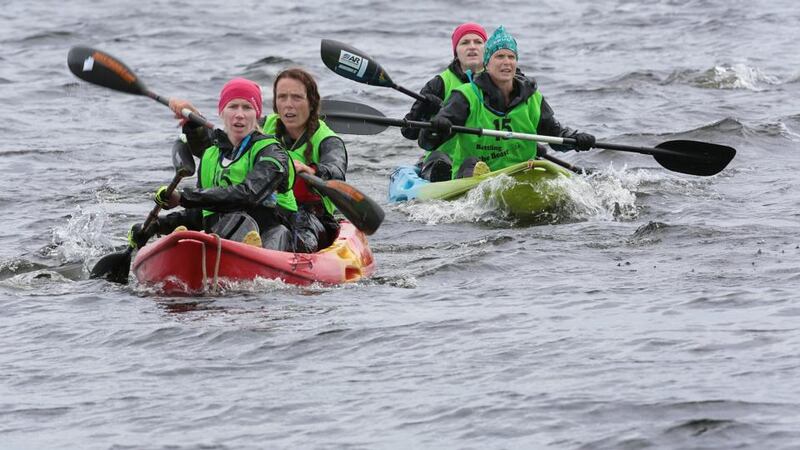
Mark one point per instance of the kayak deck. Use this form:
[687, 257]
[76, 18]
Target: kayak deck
[192, 262]
[529, 193]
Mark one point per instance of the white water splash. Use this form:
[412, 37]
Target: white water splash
[41, 283]
[473, 207]
[78, 238]
[600, 196]
[736, 76]
[258, 285]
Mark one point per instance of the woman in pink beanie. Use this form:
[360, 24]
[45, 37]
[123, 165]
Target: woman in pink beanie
[244, 180]
[314, 148]
[468, 40]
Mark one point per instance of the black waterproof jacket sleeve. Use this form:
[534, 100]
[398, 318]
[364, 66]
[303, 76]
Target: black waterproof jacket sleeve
[332, 159]
[332, 155]
[190, 218]
[434, 86]
[456, 109]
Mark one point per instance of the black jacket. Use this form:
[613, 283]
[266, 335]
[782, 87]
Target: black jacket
[265, 178]
[434, 86]
[456, 109]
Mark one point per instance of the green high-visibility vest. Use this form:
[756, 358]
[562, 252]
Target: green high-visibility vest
[213, 174]
[496, 152]
[270, 128]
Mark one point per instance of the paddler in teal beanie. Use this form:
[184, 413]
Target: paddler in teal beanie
[498, 98]
[500, 40]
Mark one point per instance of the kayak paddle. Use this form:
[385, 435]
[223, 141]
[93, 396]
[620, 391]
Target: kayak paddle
[684, 156]
[102, 69]
[338, 116]
[356, 65]
[115, 266]
[330, 109]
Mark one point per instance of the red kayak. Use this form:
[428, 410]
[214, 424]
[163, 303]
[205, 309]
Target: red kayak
[194, 261]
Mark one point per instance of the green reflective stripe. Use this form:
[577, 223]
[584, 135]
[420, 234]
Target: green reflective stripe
[497, 152]
[213, 174]
[272, 160]
[323, 132]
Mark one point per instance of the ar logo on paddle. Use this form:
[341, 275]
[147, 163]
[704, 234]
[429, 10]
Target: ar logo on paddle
[352, 63]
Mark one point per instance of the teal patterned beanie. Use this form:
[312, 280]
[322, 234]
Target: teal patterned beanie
[499, 40]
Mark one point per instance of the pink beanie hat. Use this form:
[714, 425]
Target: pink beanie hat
[466, 28]
[241, 88]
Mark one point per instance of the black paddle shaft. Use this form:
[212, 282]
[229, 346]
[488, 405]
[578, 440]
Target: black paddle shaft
[100, 68]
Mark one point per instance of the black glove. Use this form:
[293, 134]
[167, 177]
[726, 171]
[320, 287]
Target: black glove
[583, 141]
[137, 238]
[430, 106]
[441, 125]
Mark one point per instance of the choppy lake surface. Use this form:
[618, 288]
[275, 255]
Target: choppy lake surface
[655, 311]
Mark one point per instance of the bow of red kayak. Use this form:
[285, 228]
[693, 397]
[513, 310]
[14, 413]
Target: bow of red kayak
[188, 262]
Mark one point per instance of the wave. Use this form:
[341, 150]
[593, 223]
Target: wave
[727, 126]
[265, 69]
[725, 76]
[730, 127]
[637, 77]
[270, 61]
[56, 35]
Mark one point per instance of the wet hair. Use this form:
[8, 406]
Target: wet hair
[312, 95]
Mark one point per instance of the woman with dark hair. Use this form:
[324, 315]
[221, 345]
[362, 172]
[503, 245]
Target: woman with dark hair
[315, 149]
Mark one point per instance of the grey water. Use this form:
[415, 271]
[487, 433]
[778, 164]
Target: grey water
[656, 311]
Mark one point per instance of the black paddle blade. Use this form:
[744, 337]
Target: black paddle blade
[102, 69]
[354, 64]
[182, 159]
[113, 267]
[357, 207]
[694, 157]
[330, 110]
